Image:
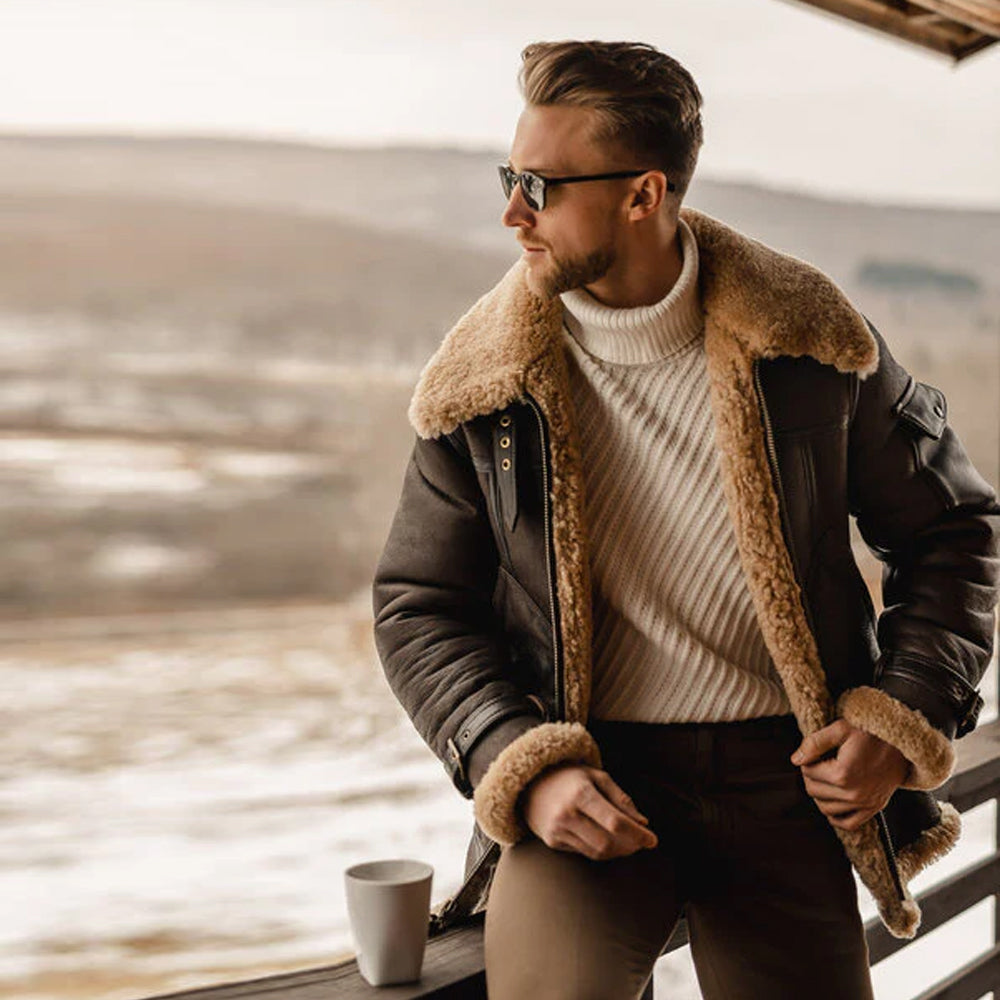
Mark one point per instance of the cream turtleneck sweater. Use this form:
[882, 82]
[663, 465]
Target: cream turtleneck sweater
[676, 637]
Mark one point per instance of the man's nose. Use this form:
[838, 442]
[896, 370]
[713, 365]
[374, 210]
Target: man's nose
[518, 212]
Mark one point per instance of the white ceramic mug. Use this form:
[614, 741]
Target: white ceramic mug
[388, 903]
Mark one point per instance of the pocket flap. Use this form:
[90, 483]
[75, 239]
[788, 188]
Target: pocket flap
[924, 407]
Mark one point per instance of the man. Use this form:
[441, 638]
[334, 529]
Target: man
[618, 594]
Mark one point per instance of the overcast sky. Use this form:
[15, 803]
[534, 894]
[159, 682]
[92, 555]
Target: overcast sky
[793, 97]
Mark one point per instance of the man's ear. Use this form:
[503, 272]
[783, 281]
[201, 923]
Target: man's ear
[650, 196]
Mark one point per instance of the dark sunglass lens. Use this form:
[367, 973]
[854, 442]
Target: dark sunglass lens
[507, 179]
[534, 190]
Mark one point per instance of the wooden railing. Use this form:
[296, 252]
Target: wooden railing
[453, 965]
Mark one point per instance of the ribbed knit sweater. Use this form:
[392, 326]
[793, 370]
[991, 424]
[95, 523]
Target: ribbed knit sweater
[676, 637]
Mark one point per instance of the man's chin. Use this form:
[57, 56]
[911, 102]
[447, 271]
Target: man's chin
[550, 278]
[542, 282]
[538, 285]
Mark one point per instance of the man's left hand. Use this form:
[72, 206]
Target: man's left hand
[856, 780]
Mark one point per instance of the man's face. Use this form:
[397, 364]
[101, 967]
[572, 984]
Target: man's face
[574, 240]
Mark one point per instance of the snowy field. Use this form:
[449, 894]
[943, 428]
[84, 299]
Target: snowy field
[181, 794]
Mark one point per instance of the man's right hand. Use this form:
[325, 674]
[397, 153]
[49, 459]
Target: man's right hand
[572, 807]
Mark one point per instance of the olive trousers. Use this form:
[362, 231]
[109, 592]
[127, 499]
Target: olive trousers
[744, 853]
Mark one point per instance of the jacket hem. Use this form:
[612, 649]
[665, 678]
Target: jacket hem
[932, 844]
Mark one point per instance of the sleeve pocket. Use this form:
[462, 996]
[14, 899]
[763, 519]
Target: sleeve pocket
[924, 407]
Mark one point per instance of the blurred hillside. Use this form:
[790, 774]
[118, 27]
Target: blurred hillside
[208, 347]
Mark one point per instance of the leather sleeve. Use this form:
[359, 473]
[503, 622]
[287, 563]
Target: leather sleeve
[934, 522]
[436, 632]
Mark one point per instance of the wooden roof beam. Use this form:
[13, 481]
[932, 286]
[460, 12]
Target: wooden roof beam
[976, 16]
[928, 20]
[947, 38]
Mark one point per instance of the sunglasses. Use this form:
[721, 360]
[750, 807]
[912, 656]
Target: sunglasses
[533, 186]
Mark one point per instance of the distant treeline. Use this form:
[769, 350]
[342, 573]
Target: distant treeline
[909, 276]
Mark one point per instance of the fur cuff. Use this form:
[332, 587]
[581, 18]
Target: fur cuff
[517, 764]
[929, 751]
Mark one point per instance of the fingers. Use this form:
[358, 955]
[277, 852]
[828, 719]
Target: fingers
[597, 842]
[572, 843]
[834, 797]
[822, 742]
[581, 809]
[817, 785]
[846, 796]
[844, 810]
[600, 844]
[849, 819]
[608, 827]
[615, 794]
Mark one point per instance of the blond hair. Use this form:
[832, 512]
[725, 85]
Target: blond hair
[646, 102]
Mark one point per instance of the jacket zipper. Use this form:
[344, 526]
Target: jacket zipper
[546, 519]
[441, 921]
[890, 851]
[772, 454]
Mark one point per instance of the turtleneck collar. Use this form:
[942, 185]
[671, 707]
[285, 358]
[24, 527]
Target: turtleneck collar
[643, 333]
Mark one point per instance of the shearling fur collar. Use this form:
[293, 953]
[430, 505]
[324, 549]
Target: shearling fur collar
[771, 302]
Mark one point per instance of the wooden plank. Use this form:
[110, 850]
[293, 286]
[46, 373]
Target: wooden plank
[979, 748]
[928, 19]
[978, 43]
[948, 39]
[453, 970]
[977, 770]
[939, 904]
[975, 978]
[981, 17]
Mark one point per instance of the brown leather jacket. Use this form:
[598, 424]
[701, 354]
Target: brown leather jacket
[482, 600]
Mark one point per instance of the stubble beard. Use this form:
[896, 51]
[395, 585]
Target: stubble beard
[572, 272]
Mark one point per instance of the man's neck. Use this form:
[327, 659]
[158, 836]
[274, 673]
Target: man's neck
[642, 276]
